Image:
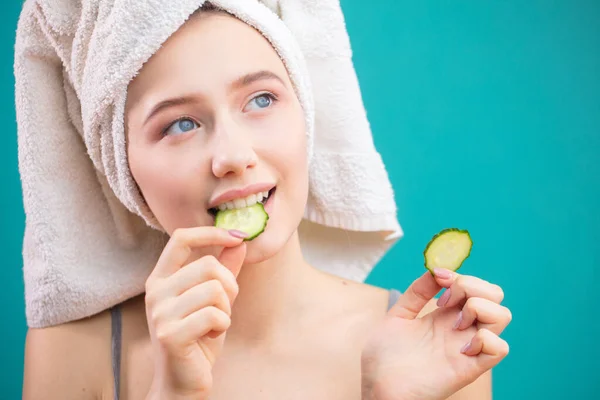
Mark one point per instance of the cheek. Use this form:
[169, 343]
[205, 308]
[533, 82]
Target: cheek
[287, 139]
[162, 182]
[290, 151]
[287, 150]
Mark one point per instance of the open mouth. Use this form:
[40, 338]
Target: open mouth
[261, 197]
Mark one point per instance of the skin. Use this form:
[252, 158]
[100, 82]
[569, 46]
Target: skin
[267, 293]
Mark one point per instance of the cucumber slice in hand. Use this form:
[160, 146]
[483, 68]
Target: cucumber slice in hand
[448, 249]
[251, 220]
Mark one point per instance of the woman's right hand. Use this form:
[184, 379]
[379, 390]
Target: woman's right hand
[188, 309]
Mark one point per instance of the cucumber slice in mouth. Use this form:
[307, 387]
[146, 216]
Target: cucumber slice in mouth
[251, 220]
[448, 249]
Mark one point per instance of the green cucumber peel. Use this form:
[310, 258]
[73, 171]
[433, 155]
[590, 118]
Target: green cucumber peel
[448, 249]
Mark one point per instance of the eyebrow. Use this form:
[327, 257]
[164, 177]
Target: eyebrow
[239, 83]
[252, 77]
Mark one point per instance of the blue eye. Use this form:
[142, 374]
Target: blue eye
[261, 101]
[182, 125]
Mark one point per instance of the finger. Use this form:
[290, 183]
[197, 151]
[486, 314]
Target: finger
[199, 271]
[181, 333]
[414, 299]
[202, 270]
[489, 348]
[489, 315]
[210, 293]
[206, 294]
[209, 320]
[233, 258]
[465, 286]
[181, 243]
[444, 277]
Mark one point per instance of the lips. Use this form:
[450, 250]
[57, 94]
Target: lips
[240, 193]
[241, 202]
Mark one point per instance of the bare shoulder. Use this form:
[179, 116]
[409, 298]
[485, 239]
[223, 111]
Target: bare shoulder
[365, 298]
[357, 307]
[68, 361]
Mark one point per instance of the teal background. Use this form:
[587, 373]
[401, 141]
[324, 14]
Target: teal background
[487, 114]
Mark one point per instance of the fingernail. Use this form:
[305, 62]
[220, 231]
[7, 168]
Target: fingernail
[458, 321]
[444, 298]
[465, 348]
[238, 234]
[442, 273]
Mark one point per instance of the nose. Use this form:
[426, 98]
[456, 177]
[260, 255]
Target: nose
[233, 151]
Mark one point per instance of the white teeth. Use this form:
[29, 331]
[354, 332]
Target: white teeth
[239, 203]
[244, 202]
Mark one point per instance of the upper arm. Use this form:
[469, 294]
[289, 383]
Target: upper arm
[63, 362]
[481, 388]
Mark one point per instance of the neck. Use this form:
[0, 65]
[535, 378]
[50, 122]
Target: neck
[268, 291]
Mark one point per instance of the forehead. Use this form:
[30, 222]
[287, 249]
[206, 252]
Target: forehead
[208, 50]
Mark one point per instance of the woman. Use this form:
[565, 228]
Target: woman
[222, 318]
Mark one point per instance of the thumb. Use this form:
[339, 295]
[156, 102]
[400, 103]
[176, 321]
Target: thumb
[416, 297]
[233, 258]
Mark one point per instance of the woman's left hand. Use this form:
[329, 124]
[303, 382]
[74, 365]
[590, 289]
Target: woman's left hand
[409, 357]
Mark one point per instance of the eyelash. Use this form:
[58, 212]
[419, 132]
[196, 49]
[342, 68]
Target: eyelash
[163, 132]
[270, 95]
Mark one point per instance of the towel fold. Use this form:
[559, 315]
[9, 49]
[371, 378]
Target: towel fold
[90, 240]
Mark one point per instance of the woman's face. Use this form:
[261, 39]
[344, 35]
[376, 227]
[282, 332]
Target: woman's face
[212, 118]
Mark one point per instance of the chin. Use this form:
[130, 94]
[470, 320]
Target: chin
[266, 246]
